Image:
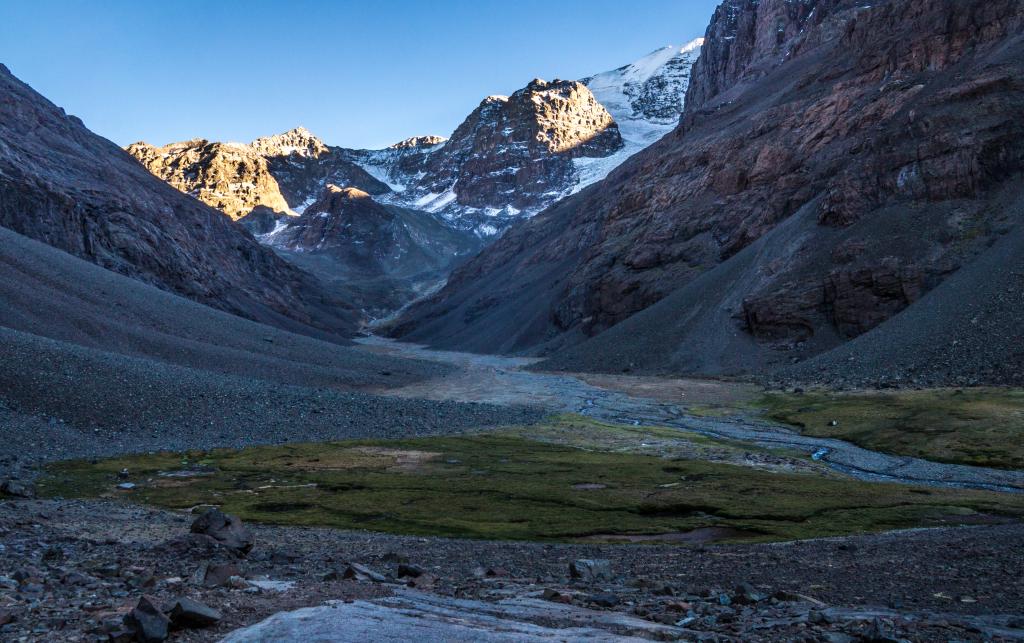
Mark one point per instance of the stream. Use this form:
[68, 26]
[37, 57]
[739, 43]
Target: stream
[496, 379]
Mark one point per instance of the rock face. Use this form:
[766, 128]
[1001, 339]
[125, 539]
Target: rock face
[277, 172]
[63, 185]
[834, 162]
[511, 154]
[232, 178]
[387, 253]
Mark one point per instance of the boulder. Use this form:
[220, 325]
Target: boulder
[189, 613]
[355, 571]
[410, 571]
[216, 575]
[148, 621]
[746, 594]
[227, 530]
[17, 489]
[591, 569]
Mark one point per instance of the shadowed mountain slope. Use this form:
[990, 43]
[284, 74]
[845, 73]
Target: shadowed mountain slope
[382, 255]
[48, 293]
[67, 187]
[835, 163]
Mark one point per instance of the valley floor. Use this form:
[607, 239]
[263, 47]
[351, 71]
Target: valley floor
[75, 566]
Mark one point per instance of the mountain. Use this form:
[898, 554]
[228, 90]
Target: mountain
[645, 98]
[277, 172]
[382, 256]
[515, 176]
[511, 157]
[67, 187]
[835, 163]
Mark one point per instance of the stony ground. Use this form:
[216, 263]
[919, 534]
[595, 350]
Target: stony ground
[72, 569]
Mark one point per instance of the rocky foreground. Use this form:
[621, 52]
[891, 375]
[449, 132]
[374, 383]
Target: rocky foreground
[105, 570]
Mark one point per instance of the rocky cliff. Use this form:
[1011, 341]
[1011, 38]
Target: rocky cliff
[512, 156]
[382, 255]
[835, 162]
[232, 178]
[283, 173]
[65, 186]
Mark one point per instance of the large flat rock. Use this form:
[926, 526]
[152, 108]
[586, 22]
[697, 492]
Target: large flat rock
[416, 616]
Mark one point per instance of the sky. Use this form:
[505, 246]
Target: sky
[358, 74]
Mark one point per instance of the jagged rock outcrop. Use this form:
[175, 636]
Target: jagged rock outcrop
[514, 150]
[509, 159]
[282, 172]
[67, 187]
[834, 162]
[385, 254]
[511, 155]
[232, 178]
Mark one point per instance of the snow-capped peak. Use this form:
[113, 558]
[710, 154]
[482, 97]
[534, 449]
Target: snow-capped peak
[651, 88]
[692, 46]
[645, 98]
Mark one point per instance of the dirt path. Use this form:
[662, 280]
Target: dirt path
[503, 380]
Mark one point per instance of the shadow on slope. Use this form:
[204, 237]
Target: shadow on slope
[49, 293]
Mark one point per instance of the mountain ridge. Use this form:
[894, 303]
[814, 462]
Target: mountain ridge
[68, 187]
[477, 187]
[852, 127]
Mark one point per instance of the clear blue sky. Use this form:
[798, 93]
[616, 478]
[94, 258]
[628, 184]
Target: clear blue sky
[358, 74]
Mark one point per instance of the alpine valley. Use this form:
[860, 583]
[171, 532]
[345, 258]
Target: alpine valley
[435, 201]
[725, 344]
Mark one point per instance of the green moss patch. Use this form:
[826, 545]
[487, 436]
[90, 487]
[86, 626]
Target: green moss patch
[506, 486]
[983, 426]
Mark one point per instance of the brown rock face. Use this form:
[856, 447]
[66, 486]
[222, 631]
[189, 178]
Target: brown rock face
[63, 185]
[511, 151]
[232, 178]
[511, 154]
[277, 172]
[834, 162]
[369, 239]
[855, 301]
